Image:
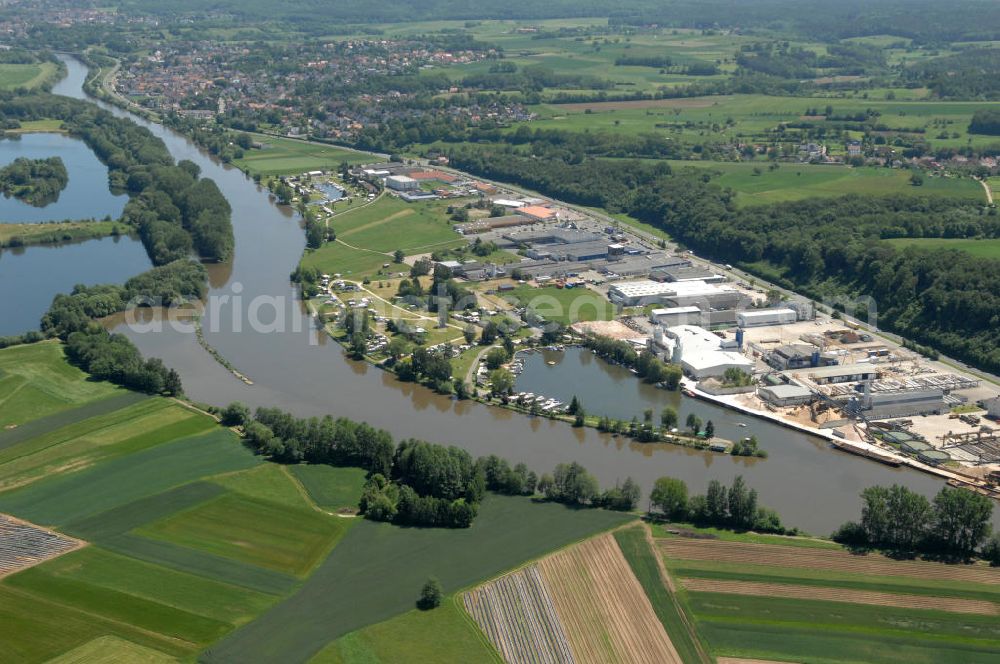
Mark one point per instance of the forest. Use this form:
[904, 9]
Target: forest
[36, 182]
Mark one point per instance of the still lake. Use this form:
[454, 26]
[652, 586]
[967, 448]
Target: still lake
[86, 196]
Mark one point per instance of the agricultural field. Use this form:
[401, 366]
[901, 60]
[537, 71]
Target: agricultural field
[331, 488]
[979, 248]
[603, 607]
[443, 635]
[518, 616]
[756, 184]
[35, 381]
[793, 603]
[23, 545]
[286, 156]
[725, 119]
[364, 581]
[564, 305]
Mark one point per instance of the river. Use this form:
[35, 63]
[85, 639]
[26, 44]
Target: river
[811, 485]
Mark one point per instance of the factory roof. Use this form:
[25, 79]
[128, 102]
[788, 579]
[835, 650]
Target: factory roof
[674, 310]
[788, 391]
[766, 313]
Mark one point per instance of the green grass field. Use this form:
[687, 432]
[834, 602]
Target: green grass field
[331, 488]
[564, 305]
[367, 236]
[25, 76]
[36, 380]
[366, 579]
[26, 234]
[979, 248]
[775, 627]
[640, 556]
[756, 184]
[286, 156]
[443, 635]
[253, 531]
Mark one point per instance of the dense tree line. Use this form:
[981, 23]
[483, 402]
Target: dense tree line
[37, 182]
[733, 507]
[971, 74]
[954, 525]
[985, 121]
[415, 482]
[648, 367]
[167, 285]
[114, 358]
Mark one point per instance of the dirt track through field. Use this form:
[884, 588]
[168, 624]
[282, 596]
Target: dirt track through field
[829, 559]
[604, 611]
[974, 606]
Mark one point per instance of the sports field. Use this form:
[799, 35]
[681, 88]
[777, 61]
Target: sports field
[287, 156]
[979, 248]
[774, 602]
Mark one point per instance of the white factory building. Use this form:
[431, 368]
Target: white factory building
[679, 294]
[761, 317]
[700, 353]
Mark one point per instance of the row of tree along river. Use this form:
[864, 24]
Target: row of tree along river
[256, 322]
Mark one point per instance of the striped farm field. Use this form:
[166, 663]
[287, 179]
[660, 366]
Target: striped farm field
[779, 556]
[754, 601]
[841, 595]
[603, 608]
[517, 614]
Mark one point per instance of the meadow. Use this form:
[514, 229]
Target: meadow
[757, 184]
[375, 564]
[564, 305]
[14, 76]
[331, 488]
[287, 156]
[367, 236]
[25, 234]
[980, 248]
[770, 601]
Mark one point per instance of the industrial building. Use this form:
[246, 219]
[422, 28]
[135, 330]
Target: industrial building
[676, 316]
[902, 403]
[846, 373]
[678, 294]
[798, 356]
[402, 183]
[700, 353]
[764, 317]
[785, 395]
[689, 273]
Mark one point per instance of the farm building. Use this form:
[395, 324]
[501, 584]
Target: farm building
[785, 395]
[762, 317]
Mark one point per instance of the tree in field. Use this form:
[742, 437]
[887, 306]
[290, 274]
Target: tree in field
[496, 358]
[694, 423]
[961, 521]
[398, 256]
[668, 418]
[571, 483]
[430, 595]
[469, 333]
[670, 496]
[894, 517]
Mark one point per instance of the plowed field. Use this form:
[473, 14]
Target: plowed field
[603, 609]
[781, 556]
[902, 601]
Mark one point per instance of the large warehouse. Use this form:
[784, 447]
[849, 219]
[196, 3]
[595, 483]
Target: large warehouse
[700, 353]
[677, 294]
[762, 317]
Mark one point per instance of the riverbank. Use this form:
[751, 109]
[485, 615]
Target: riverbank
[25, 235]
